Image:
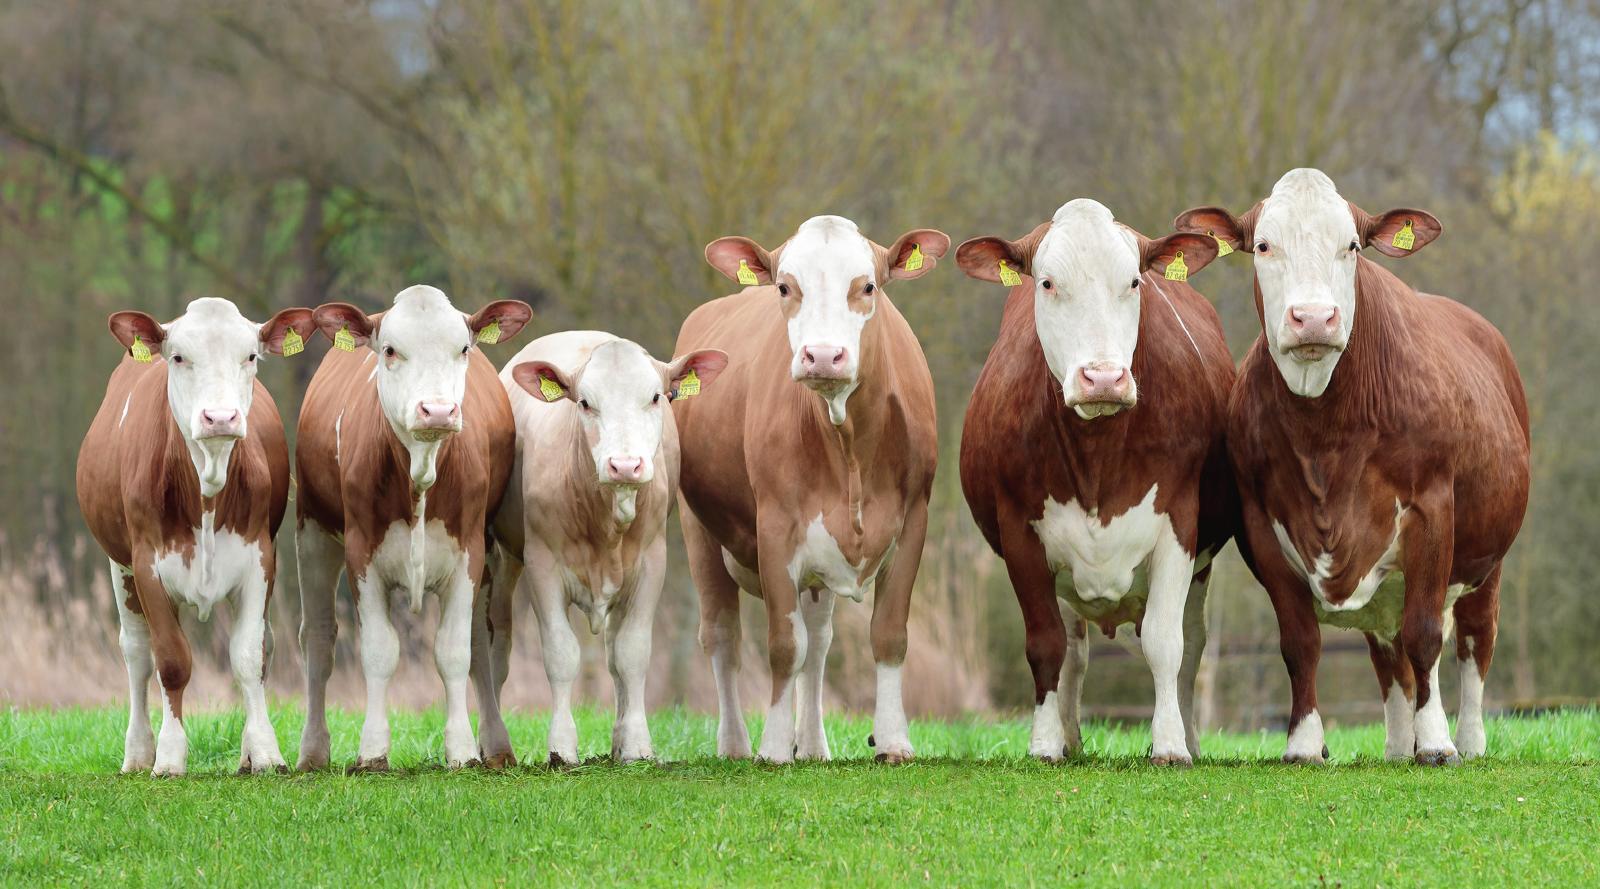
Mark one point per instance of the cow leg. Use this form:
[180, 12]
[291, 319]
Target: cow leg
[1046, 643]
[561, 656]
[452, 655]
[380, 655]
[173, 662]
[491, 635]
[1194, 649]
[1399, 689]
[1477, 622]
[816, 612]
[891, 609]
[139, 744]
[719, 630]
[247, 652]
[1074, 667]
[1299, 636]
[1171, 572]
[319, 559]
[1426, 538]
[628, 649]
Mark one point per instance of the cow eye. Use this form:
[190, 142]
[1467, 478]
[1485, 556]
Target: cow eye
[583, 403]
[1047, 284]
[177, 359]
[783, 290]
[467, 348]
[1354, 247]
[1262, 247]
[252, 358]
[388, 351]
[870, 287]
[656, 398]
[1135, 284]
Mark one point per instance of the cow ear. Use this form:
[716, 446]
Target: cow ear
[912, 255]
[298, 321]
[544, 381]
[742, 260]
[500, 320]
[1215, 223]
[125, 326]
[981, 258]
[1161, 255]
[331, 318]
[1400, 232]
[705, 364]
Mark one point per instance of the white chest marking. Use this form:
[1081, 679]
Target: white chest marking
[203, 582]
[818, 562]
[416, 562]
[1101, 560]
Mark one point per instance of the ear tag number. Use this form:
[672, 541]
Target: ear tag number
[343, 340]
[1223, 247]
[914, 261]
[688, 387]
[1008, 276]
[1405, 238]
[1176, 270]
[551, 390]
[490, 334]
[746, 276]
[141, 352]
[293, 343]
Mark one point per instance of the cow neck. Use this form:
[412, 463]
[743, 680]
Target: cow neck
[599, 506]
[864, 417]
[183, 480]
[1092, 451]
[419, 462]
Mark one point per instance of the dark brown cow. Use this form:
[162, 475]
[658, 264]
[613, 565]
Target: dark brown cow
[806, 470]
[1380, 439]
[405, 448]
[183, 479]
[1093, 456]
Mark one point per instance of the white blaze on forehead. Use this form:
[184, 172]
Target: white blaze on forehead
[215, 342]
[620, 382]
[1091, 314]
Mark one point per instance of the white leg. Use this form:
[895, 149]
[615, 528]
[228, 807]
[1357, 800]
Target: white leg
[172, 746]
[319, 559]
[561, 658]
[452, 654]
[778, 734]
[493, 602]
[1433, 729]
[1306, 741]
[139, 745]
[1171, 570]
[1194, 649]
[1399, 724]
[890, 733]
[1070, 690]
[1047, 739]
[1470, 739]
[258, 744]
[812, 738]
[380, 654]
[733, 736]
[628, 649]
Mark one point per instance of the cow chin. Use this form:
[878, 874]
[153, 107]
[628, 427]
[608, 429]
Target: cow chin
[1090, 410]
[1307, 370]
[431, 434]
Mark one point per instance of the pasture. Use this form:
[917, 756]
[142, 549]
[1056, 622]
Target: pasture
[971, 810]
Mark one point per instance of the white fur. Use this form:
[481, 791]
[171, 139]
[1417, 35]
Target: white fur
[172, 745]
[1306, 741]
[1399, 725]
[138, 748]
[778, 735]
[234, 562]
[816, 611]
[825, 255]
[889, 728]
[1470, 738]
[1047, 741]
[1384, 569]
[1433, 729]
[216, 345]
[818, 562]
[432, 343]
[122, 417]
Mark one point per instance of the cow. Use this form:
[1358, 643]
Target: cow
[1380, 441]
[1093, 458]
[405, 447]
[596, 477]
[183, 479]
[810, 468]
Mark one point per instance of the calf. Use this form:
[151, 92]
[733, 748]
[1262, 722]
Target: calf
[598, 472]
[405, 447]
[811, 468]
[1380, 440]
[1093, 458]
[183, 480]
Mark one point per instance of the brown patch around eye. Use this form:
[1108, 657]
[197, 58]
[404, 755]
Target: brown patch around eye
[861, 296]
[789, 295]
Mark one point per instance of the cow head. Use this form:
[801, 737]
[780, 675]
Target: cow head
[1306, 242]
[621, 395]
[828, 277]
[423, 347]
[211, 354]
[1088, 271]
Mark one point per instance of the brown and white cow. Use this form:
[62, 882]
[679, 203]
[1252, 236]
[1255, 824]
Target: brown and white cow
[405, 447]
[1380, 440]
[1093, 456]
[597, 473]
[809, 468]
[183, 479]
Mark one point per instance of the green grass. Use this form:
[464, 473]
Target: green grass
[971, 810]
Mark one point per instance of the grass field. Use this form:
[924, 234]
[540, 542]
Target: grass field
[971, 811]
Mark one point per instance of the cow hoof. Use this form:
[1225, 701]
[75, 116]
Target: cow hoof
[459, 764]
[311, 762]
[1178, 760]
[557, 761]
[368, 766]
[498, 761]
[1301, 759]
[1438, 758]
[894, 757]
[1050, 758]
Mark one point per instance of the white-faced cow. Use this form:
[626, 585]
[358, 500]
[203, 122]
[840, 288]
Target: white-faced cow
[183, 479]
[1093, 457]
[597, 473]
[405, 447]
[1380, 440]
[810, 468]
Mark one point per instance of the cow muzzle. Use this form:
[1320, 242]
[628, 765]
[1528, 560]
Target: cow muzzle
[220, 423]
[824, 365]
[1312, 331]
[1101, 389]
[626, 471]
[435, 420]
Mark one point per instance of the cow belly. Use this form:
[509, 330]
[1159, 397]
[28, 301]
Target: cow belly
[202, 579]
[1102, 568]
[1384, 610]
[401, 556]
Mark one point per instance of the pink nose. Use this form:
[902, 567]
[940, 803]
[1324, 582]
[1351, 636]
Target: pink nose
[625, 469]
[1104, 383]
[823, 361]
[1314, 323]
[219, 422]
[438, 415]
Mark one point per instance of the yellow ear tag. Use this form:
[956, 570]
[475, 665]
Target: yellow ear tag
[293, 343]
[746, 276]
[1009, 277]
[1405, 238]
[490, 333]
[551, 390]
[1223, 247]
[343, 340]
[141, 352]
[1176, 270]
[689, 386]
[914, 261]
